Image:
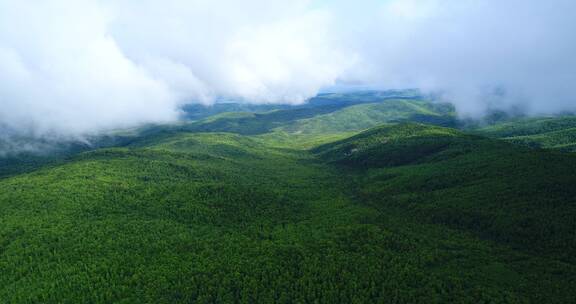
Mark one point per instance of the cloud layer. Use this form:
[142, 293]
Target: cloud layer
[480, 53]
[75, 67]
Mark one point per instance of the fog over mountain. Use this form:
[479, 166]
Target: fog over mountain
[75, 67]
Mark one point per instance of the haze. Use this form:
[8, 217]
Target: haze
[69, 68]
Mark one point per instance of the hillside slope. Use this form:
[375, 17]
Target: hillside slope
[493, 189]
[541, 132]
[364, 116]
[407, 213]
[329, 117]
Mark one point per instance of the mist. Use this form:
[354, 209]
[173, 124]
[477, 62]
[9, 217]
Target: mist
[72, 68]
[480, 55]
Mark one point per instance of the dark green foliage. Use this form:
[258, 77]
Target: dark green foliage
[548, 132]
[257, 123]
[364, 116]
[389, 145]
[208, 218]
[330, 100]
[530, 126]
[303, 212]
[328, 113]
[520, 197]
[198, 111]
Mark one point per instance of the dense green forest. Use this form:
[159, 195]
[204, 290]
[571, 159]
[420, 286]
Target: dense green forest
[375, 197]
[542, 132]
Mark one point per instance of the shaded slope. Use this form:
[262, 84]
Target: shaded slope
[530, 126]
[333, 100]
[219, 217]
[209, 218]
[564, 140]
[227, 218]
[329, 117]
[520, 197]
[389, 145]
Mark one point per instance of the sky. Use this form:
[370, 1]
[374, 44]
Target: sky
[70, 68]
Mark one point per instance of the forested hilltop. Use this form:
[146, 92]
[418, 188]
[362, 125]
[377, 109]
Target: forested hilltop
[370, 197]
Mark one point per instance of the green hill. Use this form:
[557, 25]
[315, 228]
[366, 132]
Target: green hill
[543, 132]
[364, 197]
[513, 195]
[364, 116]
[389, 145]
[333, 100]
[218, 217]
[333, 113]
[530, 126]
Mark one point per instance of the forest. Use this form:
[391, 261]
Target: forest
[379, 197]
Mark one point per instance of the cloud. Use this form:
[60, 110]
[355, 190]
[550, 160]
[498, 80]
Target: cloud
[481, 54]
[62, 72]
[70, 68]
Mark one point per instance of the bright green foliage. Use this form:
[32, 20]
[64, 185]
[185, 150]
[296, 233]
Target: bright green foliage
[530, 126]
[348, 115]
[550, 132]
[255, 123]
[522, 198]
[389, 145]
[364, 116]
[401, 213]
[517, 196]
[564, 140]
[332, 100]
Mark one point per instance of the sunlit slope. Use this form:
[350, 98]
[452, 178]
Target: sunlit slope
[202, 219]
[364, 116]
[221, 217]
[516, 196]
[209, 218]
[334, 100]
[547, 132]
[328, 118]
[390, 145]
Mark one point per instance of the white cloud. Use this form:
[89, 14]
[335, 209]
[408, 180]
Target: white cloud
[63, 73]
[469, 48]
[75, 67]
[72, 67]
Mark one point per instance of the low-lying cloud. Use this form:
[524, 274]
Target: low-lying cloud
[480, 53]
[75, 67]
